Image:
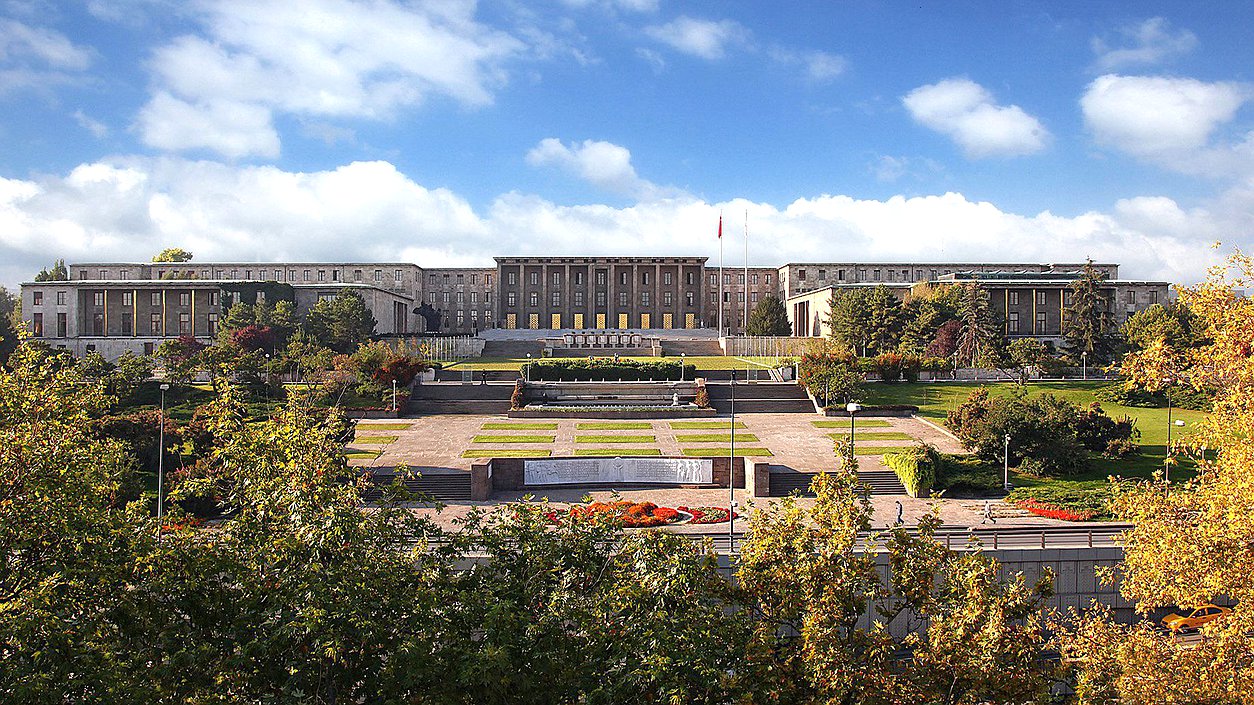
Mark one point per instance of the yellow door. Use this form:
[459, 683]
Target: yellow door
[511, 321]
[644, 320]
[690, 320]
[533, 321]
[556, 322]
[601, 321]
[579, 321]
[622, 321]
[668, 321]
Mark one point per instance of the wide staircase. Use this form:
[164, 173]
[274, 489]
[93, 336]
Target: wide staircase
[881, 482]
[458, 398]
[443, 487]
[513, 348]
[785, 481]
[691, 347]
[761, 398]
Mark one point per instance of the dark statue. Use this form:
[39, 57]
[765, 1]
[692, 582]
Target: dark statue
[431, 315]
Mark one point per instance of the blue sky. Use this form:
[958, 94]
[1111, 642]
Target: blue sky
[447, 132]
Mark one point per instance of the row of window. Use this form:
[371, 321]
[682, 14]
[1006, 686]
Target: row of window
[128, 298]
[624, 278]
[457, 296]
[740, 279]
[126, 325]
[739, 296]
[577, 298]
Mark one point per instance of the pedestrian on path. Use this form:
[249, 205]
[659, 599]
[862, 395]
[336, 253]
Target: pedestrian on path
[900, 519]
[988, 513]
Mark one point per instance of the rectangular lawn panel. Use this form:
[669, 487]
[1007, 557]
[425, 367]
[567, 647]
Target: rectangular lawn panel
[615, 426]
[512, 439]
[616, 452]
[383, 426]
[878, 450]
[505, 453]
[858, 423]
[724, 452]
[362, 454]
[374, 439]
[522, 426]
[714, 438]
[633, 438]
[700, 425]
[873, 436]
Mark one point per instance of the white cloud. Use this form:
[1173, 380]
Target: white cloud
[965, 112]
[326, 59]
[36, 57]
[95, 127]
[628, 5]
[128, 209]
[1148, 43]
[1169, 121]
[818, 66]
[602, 164]
[704, 39]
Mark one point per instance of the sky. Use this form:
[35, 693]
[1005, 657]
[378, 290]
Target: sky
[446, 132]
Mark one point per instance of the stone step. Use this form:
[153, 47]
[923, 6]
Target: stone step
[444, 487]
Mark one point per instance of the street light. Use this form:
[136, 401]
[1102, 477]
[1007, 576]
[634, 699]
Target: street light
[731, 475]
[1006, 464]
[161, 462]
[393, 395]
[1084, 365]
[852, 407]
[527, 373]
[683, 358]
[1167, 453]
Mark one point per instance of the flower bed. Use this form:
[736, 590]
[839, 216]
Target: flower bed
[1053, 511]
[706, 515]
[633, 515]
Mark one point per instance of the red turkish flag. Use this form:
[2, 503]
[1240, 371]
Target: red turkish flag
[720, 226]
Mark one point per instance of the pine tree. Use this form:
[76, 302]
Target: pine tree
[978, 337]
[1088, 325]
[769, 318]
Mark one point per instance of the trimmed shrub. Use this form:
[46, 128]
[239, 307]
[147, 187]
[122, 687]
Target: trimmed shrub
[916, 468]
[1180, 397]
[703, 398]
[967, 475]
[597, 369]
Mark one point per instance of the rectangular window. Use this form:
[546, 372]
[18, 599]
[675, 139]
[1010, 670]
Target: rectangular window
[644, 277]
[335, 275]
[124, 274]
[1066, 297]
[291, 275]
[1014, 298]
[511, 278]
[154, 324]
[1013, 325]
[840, 275]
[726, 297]
[305, 275]
[667, 299]
[740, 297]
[378, 275]
[753, 297]
[155, 298]
[185, 323]
[444, 297]
[533, 299]
[322, 275]
[666, 278]
[622, 278]
[213, 324]
[1040, 298]
[489, 279]
[37, 298]
[740, 279]
[213, 298]
[185, 298]
[713, 297]
[104, 274]
[534, 278]
[579, 277]
[1153, 295]
[37, 325]
[601, 277]
[557, 278]
[128, 298]
[63, 325]
[753, 278]
[801, 275]
[876, 274]
[511, 299]
[97, 298]
[823, 274]
[713, 280]
[461, 319]
[688, 298]
[644, 298]
[97, 324]
[600, 301]
[399, 276]
[622, 298]
[1131, 297]
[768, 280]
[556, 299]
[726, 280]
[474, 279]
[474, 298]
[1040, 322]
[60, 298]
[431, 297]
[579, 298]
[690, 277]
[461, 298]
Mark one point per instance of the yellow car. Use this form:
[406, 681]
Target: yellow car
[1198, 617]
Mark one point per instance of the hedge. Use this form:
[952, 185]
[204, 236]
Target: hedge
[598, 369]
[916, 468]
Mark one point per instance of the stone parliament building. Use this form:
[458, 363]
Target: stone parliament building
[114, 307]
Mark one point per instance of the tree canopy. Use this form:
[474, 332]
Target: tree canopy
[1088, 325]
[172, 254]
[58, 273]
[340, 323]
[769, 318]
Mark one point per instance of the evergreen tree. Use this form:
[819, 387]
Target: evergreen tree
[849, 319]
[58, 273]
[769, 318]
[341, 323]
[1088, 325]
[10, 323]
[978, 338]
[883, 319]
[172, 254]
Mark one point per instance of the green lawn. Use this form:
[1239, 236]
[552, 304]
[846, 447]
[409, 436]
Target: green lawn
[375, 439]
[877, 450]
[355, 454]
[715, 438]
[873, 436]
[383, 426]
[615, 426]
[505, 453]
[520, 426]
[701, 425]
[512, 439]
[617, 452]
[604, 438]
[936, 400]
[858, 423]
[724, 452]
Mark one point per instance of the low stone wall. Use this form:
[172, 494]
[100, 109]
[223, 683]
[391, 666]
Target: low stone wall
[491, 475]
[662, 412]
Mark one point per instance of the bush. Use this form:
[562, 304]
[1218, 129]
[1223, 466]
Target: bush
[916, 468]
[887, 366]
[967, 475]
[1099, 433]
[703, 398]
[1180, 397]
[516, 399]
[596, 369]
[1042, 430]
[830, 375]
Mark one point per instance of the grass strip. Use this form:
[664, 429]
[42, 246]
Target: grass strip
[362, 454]
[512, 439]
[722, 452]
[699, 425]
[873, 436]
[383, 426]
[601, 438]
[523, 426]
[615, 426]
[714, 438]
[878, 450]
[505, 453]
[616, 452]
[858, 423]
[375, 439]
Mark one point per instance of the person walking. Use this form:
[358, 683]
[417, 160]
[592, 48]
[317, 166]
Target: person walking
[988, 513]
[900, 511]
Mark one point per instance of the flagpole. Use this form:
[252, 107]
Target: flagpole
[720, 275]
[744, 330]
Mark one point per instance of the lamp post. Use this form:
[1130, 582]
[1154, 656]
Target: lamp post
[731, 476]
[1006, 464]
[161, 463]
[852, 407]
[683, 359]
[1084, 365]
[1167, 453]
[394, 396]
[527, 372]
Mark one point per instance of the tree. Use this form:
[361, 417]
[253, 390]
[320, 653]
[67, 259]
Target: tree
[172, 254]
[884, 320]
[341, 323]
[180, 358]
[1023, 355]
[978, 337]
[1190, 540]
[10, 323]
[1172, 324]
[58, 273]
[1088, 325]
[1042, 430]
[849, 318]
[769, 318]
